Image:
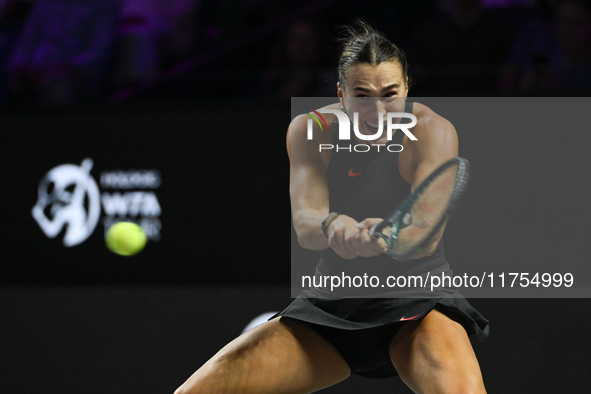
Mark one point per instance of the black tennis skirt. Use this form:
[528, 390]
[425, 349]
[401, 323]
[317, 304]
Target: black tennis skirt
[361, 329]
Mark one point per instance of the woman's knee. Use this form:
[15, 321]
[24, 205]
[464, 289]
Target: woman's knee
[435, 356]
[270, 355]
[222, 369]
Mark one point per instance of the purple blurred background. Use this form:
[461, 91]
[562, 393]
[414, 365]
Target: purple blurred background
[147, 84]
[64, 52]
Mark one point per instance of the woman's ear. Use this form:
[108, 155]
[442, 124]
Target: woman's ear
[407, 87]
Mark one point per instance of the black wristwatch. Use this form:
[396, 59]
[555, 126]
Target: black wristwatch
[327, 221]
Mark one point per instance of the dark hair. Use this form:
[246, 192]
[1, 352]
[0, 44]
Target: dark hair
[366, 45]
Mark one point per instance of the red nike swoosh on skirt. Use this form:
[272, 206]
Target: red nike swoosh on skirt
[353, 174]
[410, 318]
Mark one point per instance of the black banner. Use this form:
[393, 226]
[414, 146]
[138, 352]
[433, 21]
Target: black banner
[208, 182]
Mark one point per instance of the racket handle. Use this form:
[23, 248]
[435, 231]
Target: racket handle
[372, 233]
[375, 231]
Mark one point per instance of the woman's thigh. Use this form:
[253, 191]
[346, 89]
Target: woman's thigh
[434, 355]
[280, 356]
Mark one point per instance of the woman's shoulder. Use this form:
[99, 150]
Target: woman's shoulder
[326, 115]
[336, 105]
[422, 111]
[431, 125]
[299, 124]
[425, 115]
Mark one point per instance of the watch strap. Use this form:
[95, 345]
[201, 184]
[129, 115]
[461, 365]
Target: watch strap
[327, 221]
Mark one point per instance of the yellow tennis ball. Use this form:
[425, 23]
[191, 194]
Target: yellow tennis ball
[126, 238]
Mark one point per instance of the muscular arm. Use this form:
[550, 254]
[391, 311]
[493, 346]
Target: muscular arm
[308, 187]
[310, 200]
[437, 142]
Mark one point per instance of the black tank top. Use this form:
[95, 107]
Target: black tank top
[369, 185]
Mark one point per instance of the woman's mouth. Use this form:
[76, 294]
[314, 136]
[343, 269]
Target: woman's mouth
[373, 127]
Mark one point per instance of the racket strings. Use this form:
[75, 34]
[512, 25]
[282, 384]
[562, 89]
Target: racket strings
[424, 215]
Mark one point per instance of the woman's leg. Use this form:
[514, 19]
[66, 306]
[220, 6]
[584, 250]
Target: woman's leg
[434, 355]
[280, 356]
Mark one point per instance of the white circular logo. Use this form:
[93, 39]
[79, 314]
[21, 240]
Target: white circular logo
[68, 195]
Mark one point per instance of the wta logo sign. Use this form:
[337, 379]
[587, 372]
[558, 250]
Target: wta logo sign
[68, 198]
[391, 124]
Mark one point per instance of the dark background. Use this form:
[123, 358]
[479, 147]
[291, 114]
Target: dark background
[83, 319]
[150, 339]
[221, 163]
[212, 120]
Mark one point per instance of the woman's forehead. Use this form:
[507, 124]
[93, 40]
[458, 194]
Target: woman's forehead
[375, 77]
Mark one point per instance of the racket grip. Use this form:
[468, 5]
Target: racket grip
[375, 231]
[372, 233]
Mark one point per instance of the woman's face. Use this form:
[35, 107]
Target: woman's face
[371, 90]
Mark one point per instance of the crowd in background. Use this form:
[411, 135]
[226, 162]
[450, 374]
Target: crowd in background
[60, 52]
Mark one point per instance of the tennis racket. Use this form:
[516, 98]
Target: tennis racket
[415, 222]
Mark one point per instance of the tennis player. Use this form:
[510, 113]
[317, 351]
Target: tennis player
[319, 341]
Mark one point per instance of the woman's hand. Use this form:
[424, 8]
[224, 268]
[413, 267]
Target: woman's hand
[364, 243]
[350, 239]
[341, 233]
